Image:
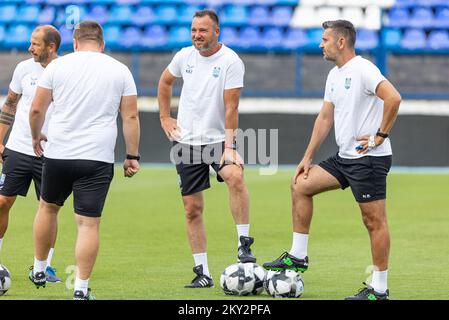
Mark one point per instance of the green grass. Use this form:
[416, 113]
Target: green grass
[144, 252]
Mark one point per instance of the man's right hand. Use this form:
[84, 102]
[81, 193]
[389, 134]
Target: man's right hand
[171, 129]
[303, 166]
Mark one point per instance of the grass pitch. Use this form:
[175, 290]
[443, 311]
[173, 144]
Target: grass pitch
[144, 252]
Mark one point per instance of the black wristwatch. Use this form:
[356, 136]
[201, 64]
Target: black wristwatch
[131, 157]
[382, 134]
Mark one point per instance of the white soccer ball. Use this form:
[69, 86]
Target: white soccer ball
[242, 279]
[284, 284]
[5, 279]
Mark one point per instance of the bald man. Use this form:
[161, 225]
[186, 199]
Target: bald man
[20, 164]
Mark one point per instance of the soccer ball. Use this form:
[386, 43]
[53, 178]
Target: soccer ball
[242, 279]
[5, 279]
[284, 284]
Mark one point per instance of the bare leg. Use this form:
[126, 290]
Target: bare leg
[45, 224]
[87, 244]
[5, 205]
[196, 232]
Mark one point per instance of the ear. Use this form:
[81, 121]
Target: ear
[341, 43]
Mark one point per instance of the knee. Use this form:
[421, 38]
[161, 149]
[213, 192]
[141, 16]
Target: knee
[374, 223]
[301, 187]
[5, 204]
[235, 181]
[193, 210]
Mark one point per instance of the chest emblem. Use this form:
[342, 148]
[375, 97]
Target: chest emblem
[347, 83]
[189, 69]
[216, 72]
[33, 81]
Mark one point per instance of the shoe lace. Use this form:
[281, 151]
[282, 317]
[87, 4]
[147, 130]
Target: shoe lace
[283, 256]
[363, 291]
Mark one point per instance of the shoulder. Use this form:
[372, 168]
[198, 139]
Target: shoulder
[365, 63]
[25, 65]
[185, 52]
[332, 72]
[231, 54]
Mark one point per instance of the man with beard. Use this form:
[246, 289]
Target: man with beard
[20, 164]
[204, 134]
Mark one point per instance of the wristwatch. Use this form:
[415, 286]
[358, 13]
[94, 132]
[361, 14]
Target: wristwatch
[382, 134]
[131, 157]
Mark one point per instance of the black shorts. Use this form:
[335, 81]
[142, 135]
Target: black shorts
[17, 172]
[367, 176]
[89, 180]
[192, 165]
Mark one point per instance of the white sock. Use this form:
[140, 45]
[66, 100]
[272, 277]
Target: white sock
[1, 241]
[242, 230]
[39, 266]
[201, 258]
[379, 281]
[81, 285]
[50, 256]
[299, 245]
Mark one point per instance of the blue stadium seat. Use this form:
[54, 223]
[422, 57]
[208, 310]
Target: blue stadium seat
[34, 1]
[18, 36]
[66, 38]
[414, 39]
[130, 38]
[154, 37]
[7, 13]
[391, 38]
[367, 39]
[281, 16]
[398, 17]
[234, 15]
[438, 39]
[421, 18]
[197, 2]
[240, 2]
[259, 15]
[143, 15]
[266, 2]
[287, 2]
[98, 13]
[127, 2]
[272, 38]
[104, 2]
[166, 14]
[230, 37]
[2, 33]
[186, 13]
[27, 14]
[441, 18]
[179, 37]
[295, 39]
[47, 15]
[405, 3]
[315, 36]
[70, 15]
[250, 38]
[112, 36]
[431, 3]
[120, 14]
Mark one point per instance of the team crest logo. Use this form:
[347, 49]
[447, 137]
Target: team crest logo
[33, 81]
[348, 83]
[189, 69]
[216, 72]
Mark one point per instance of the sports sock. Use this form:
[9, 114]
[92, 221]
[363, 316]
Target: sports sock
[242, 230]
[39, 266]
[201, 258]
[81, 285]
[50, 256]
[379, 281]
[299, 245]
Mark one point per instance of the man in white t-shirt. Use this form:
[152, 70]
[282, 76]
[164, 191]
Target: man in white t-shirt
[203, 134]
[88, 89]
[363, 105]
[20, 164]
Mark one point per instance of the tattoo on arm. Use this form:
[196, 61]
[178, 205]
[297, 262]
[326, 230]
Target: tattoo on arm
[9, 109]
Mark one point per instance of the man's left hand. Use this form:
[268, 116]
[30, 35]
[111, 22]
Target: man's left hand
[364, 143]
[231, 156]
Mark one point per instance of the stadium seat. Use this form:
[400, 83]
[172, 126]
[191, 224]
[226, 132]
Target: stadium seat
[18, 36]
[166, 15]
[398, 18]
[230, 37]
[272, 38]
[130, 38]
[405, 3]
[391, 38]
[120, 14]
[186, 13]
[154, 37]
[112, 36]
[98, 13]
[367, 39]
[328, 13]
[127, 2]
[287, 2]
[295, 39]
[2, 33]
[34, 1]
[143, 15]
[27, 14]
[7, 13]
[250, 38]
[373, 18]
[70, 15]
[438, 39]
[315, 36]
[304, 17]
[414, 39]
[265, 2]
[234, 16]
[179, 37]
[421, 18]
[66, 38]
[441, 18]
[312, 3]
[258, 15]
[281, 16]
[347, 3]
[47, 15]
[355, 15]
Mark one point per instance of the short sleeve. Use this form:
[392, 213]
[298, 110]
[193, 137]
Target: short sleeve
[16, 81]
[129, 88]
[235, 75]
[175, 66]
[371, 78]
[46, 79]
[327, 90]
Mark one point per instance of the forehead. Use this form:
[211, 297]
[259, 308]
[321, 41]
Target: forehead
[205, 21]
[328, 33]
[37, 35]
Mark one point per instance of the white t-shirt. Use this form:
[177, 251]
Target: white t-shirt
[358, 111]
[87, 90]
[24, 82]
[201, 112]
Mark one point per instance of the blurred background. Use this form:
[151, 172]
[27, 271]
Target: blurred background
[285, 73]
